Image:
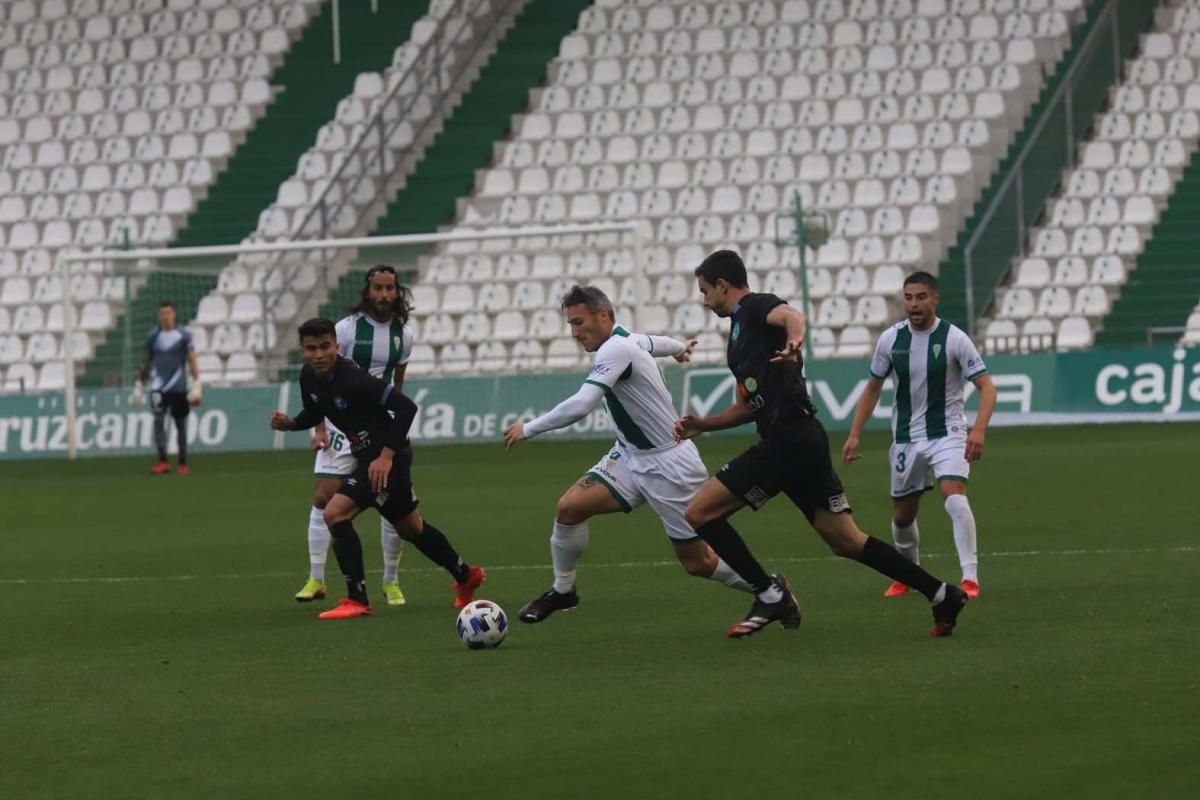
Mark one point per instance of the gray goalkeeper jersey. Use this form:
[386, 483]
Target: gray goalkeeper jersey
[168, 353]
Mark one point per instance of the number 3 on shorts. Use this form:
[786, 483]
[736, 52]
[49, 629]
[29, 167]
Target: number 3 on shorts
[901, 460]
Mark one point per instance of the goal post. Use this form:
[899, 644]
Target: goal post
[292, 280]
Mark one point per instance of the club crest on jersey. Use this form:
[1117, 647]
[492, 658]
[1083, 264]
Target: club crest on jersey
[937, 350]
[736, 332]
[751, 385]
[396, 342]
[340, 403]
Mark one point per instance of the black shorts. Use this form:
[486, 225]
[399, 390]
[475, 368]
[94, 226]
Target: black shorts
[397, 500]
[794, 460]
[174, 403]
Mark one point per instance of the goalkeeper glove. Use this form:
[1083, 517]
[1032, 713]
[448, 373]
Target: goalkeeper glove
[194, 394]
[138, 396]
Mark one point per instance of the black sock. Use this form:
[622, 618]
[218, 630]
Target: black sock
[434, 545]
[727, 543]
[160, 436]
[348, 549]
[181, 438]
[882, 557]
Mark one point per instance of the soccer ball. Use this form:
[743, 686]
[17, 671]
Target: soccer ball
[482, 625]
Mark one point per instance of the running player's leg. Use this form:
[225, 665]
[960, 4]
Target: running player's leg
[160, 433]
[392, 547]
[668, 482]
[708, 514]
[950, 464]
[814, 486]
[434, 545]
[743, 481]
[331, 465]
[844, 538]
[606, 489]
[318, 538]
[400, 508]
[180, 408]
[339, 514]
[910, 479]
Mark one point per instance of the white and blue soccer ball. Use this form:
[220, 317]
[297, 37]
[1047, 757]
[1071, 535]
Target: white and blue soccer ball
[482, 625]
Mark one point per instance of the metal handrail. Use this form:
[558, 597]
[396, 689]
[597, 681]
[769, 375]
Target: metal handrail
[1065, 89]
[428, 60]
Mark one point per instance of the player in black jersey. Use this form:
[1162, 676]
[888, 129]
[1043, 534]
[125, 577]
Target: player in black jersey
[792, 455]
[376, 418]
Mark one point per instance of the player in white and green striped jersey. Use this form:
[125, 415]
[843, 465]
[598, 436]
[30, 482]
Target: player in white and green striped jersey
[377, 337]
[930, 362]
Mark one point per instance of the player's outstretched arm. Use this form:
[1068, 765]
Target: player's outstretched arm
[689, 426]
[281, 422]
[663, 346]
[987, 405]
[866, 407]
[793, 322]
[568, 412]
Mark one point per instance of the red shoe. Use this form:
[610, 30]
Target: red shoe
[971, 588]
[183, 469]
[896, 589]
[347, 608]
[465, 591]
[161, 468]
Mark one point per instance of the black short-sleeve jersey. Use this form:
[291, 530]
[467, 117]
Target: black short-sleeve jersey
[775, 393]
[358, 403]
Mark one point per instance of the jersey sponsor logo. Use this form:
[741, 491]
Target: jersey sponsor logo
[381, 498]
[839, 503]
[600, 369]
[606, 474]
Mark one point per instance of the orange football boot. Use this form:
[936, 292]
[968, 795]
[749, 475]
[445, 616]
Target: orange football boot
[896, 589]
[347, 608]
[465, 591]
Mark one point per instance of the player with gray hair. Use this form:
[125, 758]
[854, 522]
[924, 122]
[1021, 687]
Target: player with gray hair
[645, 465]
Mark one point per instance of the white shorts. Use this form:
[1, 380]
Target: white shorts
[336, 460]
[667, 480]
[916, 465]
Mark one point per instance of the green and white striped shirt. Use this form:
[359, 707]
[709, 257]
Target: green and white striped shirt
[378, 347]
[929, 370]
[635, 395]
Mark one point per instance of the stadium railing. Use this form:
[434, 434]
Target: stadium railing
[1048, 151]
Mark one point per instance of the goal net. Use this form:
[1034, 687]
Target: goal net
[484, 301]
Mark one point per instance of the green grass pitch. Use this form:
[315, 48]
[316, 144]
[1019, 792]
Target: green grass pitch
[151, 647]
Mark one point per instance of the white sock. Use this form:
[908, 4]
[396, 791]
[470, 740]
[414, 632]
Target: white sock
[959, 509]
[908, 541]
[772, 594]
[939, 595]
[567, 544]
[725, 574]
[318, 544]
[393, 547]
